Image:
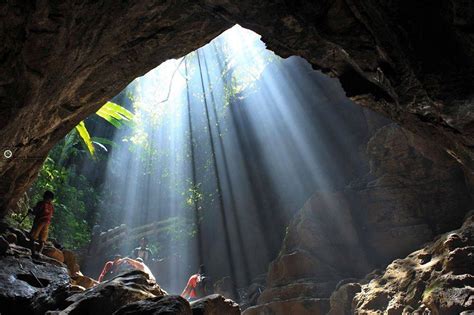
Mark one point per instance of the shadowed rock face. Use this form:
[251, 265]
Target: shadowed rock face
[62, 60]
[436, 279]
[30, 286]
[164, 305]
[412, 193]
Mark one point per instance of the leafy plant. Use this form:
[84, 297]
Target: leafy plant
[75, 201]
[114, 114]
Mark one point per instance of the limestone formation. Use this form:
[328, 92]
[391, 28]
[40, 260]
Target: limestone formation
[437, 279]
[413, 192]
[30, 286]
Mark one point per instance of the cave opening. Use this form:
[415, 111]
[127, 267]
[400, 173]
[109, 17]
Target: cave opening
[257, 167]
[208, 156]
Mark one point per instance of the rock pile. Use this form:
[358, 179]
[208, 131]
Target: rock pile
[53, 284]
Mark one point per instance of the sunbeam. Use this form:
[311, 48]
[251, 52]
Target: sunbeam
[230, 140]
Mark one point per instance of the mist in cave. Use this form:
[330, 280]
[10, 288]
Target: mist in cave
[227, 143]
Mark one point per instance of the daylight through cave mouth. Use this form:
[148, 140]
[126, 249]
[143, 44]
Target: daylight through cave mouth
[210, 155]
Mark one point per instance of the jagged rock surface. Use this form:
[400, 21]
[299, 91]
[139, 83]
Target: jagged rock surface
[161, 305]
[62, 60]
[109, 296]
[30, 286]
[412, 193]
[52, 283]
[437, 279]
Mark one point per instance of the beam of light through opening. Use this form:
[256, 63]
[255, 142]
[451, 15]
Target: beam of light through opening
[230, 140]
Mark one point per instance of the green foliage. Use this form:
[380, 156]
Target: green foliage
[85, 136]
[69, 226]
[75, 198]
[114, 114]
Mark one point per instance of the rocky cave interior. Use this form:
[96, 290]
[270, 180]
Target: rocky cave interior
[387, 95]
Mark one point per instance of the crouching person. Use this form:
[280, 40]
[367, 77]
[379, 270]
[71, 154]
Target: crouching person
[43, 212]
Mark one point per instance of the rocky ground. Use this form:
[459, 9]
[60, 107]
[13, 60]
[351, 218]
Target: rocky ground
[53, 284]
[342, 253]
[437, 279]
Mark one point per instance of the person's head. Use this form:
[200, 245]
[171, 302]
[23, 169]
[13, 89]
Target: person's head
[202, 270]
[117, 257]
[143, 242]
[48, 196]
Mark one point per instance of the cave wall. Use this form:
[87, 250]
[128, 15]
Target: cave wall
[61, 60]
[412, 192]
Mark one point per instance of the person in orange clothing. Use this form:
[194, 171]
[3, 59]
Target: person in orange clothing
[43, 212]
[196, 286]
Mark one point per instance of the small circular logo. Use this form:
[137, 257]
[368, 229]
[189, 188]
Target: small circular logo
[7, 154]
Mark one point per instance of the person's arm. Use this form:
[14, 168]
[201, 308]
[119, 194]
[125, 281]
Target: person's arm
[106, 269]
[188, 288]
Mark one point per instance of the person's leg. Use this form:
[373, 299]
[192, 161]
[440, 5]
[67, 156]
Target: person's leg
[43, 235]
[34, 234]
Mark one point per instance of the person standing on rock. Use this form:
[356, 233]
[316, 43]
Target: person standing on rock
[196, 286]
[43, 212]
[142, 251]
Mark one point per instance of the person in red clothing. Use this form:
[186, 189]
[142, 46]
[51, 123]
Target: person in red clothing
[195, 288]
[110, 267]
[43, 212]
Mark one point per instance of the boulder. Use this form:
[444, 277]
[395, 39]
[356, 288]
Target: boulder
[215, 304]
[108, 296]
[224, 287]
[341, 299]
[11, 237]
[84, 281]
[160, 305]
[70, 259]
[438, 278]
[30, 286]
[21, 236]
[54, 253]
[297, 265]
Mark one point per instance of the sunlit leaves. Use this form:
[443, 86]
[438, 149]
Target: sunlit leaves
[86, 137]
[114, 114]
[72, 191]
[194, 193]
